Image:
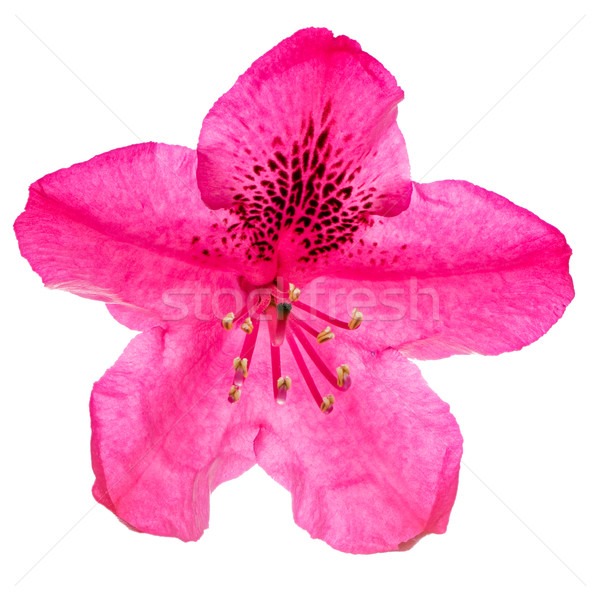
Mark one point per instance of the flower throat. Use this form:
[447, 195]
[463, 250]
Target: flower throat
[279, 309]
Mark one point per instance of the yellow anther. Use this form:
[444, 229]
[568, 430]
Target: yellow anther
[228, 321]
[327, 404]
[325, 335]
[247, 325]
[234, 393]
[241, 363]
[342, 371]
[356, 319]
[284, 382]
[294, 292]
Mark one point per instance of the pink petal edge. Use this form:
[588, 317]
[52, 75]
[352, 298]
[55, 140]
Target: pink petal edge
[342, 89]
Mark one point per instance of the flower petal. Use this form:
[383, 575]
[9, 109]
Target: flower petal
[126, 227]
[376, 473]
[308, 137]
[462, 270]
[164, 435]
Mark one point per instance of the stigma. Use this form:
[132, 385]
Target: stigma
[286, 327]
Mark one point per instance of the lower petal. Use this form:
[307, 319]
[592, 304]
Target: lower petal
[380, 471]
[163, 434]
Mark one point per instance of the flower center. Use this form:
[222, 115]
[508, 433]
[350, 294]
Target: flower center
[285, 315]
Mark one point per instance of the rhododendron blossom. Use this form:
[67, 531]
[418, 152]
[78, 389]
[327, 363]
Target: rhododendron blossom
[282, 275]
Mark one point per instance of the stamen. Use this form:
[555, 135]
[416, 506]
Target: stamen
[318, 361]
[241, 370]
[241, 363]
[325, 404]
[294, 293]
[275, 368]
[324, 316]
[278, 319]
[230, 319]
[322, 336]
[356, 319]
[247, 326]
[325, 335]
[283, 385]
[343, 377]
[279, 313]
[305, 326]
[234, 394]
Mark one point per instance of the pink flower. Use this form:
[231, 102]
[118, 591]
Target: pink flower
[294, 222]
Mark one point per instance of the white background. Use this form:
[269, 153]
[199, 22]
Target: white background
[525, 523]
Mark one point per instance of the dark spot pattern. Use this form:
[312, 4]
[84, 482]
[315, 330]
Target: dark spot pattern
[304, 191]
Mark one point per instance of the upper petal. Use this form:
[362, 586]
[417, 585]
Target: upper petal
[164, 435]
[377, 473]
[462, 270]
[126, 227]
[305, 146]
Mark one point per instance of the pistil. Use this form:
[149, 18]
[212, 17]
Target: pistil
[278, 316]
